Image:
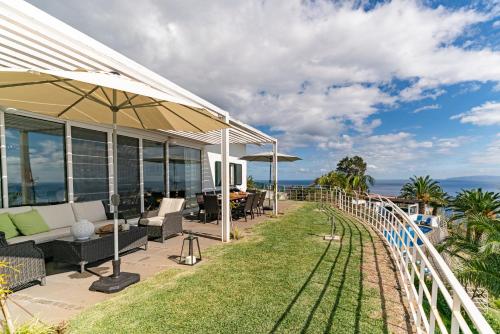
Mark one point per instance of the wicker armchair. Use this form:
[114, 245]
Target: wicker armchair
[165, 221]
[26, 259]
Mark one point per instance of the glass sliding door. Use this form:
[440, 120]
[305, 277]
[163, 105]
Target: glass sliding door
[185, 173]
[153, 154]
[36, 165]
[90, 165]
[128, 174]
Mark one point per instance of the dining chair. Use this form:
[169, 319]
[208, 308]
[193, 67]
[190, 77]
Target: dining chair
[201, 203]
[211, 204]
[245, 208]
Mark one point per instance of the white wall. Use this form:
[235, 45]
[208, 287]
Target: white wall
[212, 154]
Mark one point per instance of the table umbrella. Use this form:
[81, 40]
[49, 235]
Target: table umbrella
[268, 157]
[109, 98]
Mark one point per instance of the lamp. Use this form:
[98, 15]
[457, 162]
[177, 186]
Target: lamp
[187, 253]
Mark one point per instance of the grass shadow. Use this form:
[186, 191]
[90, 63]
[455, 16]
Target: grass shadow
[342, 280]
[327, 282]
[301, 290]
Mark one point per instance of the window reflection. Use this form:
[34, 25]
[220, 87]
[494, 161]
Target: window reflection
[35, 161]
[185, 173]
[90, 165]
[128, 174]
[153, 154]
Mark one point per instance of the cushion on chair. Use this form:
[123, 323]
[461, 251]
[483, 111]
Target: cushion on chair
[152, 221]
[44, 236]
[29, 223]
[57, 216]
[92, 211]
[7, 227]
[169, 205]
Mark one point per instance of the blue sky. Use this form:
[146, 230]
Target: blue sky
[411, 86]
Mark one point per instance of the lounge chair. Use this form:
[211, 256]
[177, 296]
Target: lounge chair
[166, 221]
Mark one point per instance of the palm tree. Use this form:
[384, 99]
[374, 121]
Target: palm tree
[424, 189]
[475, 239]
[360, 183]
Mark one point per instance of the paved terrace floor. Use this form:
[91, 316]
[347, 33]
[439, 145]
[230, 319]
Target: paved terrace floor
[67, 294]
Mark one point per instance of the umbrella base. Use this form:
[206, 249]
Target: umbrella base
[112, 284]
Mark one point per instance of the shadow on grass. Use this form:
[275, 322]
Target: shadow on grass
[380, 280]
[348, 226]
[301, 290]
[342, 279]
[326, 285]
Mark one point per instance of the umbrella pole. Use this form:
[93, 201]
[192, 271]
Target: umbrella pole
[118, 280]
[116, 259]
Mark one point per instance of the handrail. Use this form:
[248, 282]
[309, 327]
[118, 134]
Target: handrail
[415, 258]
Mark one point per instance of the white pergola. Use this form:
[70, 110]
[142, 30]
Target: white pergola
[32, 39]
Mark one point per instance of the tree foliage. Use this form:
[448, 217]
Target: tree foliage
[350, 175]
[475, 239]
[426, 190]
[352, 166]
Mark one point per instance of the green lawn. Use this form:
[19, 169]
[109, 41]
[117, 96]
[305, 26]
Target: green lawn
[283, 279]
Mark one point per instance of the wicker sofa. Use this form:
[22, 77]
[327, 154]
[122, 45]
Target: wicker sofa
[165, 221]
[25, 262]
[27, 253]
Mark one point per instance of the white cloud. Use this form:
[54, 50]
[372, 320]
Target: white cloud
[485, 114]
[316, 73]
[428, 107]
[293, 51]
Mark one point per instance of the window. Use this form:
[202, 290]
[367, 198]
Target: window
[238, 169]
[185, 173]
[90, 165]
[128, 174]
[235, 174]
[36, 164]
[218, 173]
[153, 154]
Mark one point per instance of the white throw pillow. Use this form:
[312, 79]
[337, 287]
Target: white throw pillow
[92, 211]
[57, 216]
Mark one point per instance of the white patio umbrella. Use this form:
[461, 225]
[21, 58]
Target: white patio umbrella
[268, 157]
[109, 98]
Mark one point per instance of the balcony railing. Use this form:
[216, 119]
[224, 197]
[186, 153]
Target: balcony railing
[428, 282]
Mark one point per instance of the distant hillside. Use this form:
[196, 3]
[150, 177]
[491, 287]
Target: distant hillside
[477, 178]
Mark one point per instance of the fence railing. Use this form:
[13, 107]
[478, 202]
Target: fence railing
[426, 278]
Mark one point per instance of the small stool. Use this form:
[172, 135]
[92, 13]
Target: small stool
[189, 258]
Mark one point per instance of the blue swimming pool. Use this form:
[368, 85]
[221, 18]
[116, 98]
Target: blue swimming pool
[391, 236]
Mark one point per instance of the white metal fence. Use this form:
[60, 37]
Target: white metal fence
[438, 302]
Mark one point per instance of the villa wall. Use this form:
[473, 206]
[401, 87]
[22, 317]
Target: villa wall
[212, 154]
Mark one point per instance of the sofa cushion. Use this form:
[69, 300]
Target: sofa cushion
[7, 227]
[152, 221]
[43, 237]
[16, 209]
[57, 216]
[29, 223]
[169, 205]
[92, 211]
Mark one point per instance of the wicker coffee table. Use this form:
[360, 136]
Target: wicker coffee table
[97, 247]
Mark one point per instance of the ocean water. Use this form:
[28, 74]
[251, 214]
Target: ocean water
[392, 187]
